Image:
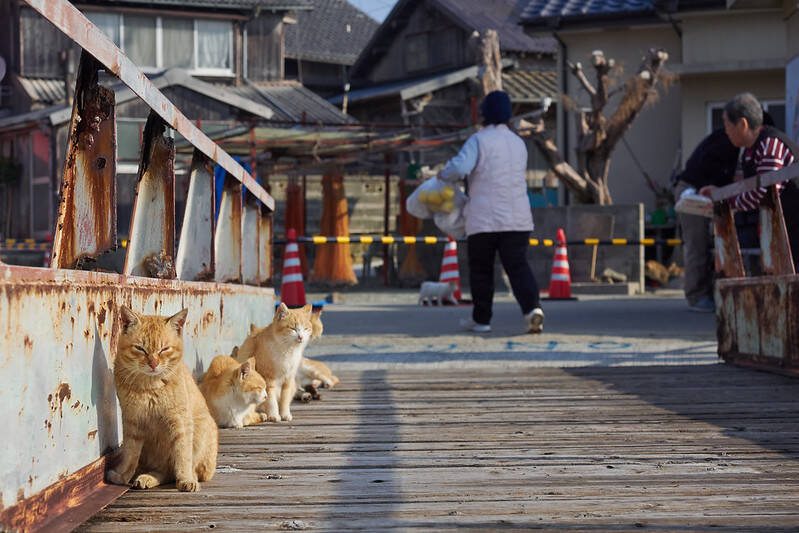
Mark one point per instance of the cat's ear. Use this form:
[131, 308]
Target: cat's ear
[308, 308]
[318, 312]
[245, 368]
[129, 317]
[178, 320]
[282, 311]
[252, 328]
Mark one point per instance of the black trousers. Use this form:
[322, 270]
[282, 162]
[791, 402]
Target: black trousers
[512, 248]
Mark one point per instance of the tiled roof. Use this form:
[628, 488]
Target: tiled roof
[530, 85]
[289, 100]
[499, 15]
[214, 4]
[335, 31]
[43, 90]
[569, 8]
[538, 11]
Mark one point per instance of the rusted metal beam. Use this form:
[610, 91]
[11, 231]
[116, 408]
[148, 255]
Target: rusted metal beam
[87, 211]
[265, 255]
[227, 237]
[76, 26]
[195, 259]
[728, 251]
[775, 250]
[250, 243]
[755, 182]
[151, 251]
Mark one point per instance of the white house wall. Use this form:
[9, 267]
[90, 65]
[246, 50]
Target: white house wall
[655, 135]
[733, 37]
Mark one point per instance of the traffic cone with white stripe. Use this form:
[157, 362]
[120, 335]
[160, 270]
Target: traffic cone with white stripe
[449, 266]
[560, 282]
[292, 291]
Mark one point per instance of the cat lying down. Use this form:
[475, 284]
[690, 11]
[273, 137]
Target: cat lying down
[233, 390]
[439, 290]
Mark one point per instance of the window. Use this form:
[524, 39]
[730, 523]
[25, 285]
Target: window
[775, 108]
[203, 46]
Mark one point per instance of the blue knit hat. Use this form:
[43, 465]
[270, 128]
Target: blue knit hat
[496, 107]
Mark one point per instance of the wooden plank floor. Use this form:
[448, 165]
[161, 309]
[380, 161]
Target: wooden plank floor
[605, 449]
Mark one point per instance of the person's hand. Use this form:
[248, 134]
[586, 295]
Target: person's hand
[707, 190]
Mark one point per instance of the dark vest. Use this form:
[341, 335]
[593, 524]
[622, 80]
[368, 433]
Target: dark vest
[790, 193]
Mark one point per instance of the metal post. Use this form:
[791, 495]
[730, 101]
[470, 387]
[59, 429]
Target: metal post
[775, 251]
[250, 242]
[265, 268]
[227, 238]
[386, 208]
[195, 259]
[728, 250]
[87, 213]
[151, 251]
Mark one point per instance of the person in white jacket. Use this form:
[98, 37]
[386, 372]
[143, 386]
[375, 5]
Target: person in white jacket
[498, 214]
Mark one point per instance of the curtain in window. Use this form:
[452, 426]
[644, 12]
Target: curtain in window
[139, 39]
[108, 23]
[178, 42]
[213, 44]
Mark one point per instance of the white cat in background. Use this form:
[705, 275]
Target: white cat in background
[440, 290]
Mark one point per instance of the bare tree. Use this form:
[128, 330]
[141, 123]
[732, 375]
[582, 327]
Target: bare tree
[597, 134]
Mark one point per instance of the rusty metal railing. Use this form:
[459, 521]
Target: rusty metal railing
[757, 317]
[234, 246]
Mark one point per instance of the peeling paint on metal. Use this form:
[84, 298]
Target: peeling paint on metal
[68, 378]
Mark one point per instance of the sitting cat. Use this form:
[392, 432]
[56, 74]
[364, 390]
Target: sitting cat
[167, 431]
[277, 350]
[232, 391]
[440, 290]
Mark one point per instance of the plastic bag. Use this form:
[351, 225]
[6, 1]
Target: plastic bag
[432, 196]
[454, 222]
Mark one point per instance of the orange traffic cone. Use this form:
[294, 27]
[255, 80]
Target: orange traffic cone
[449, 266]
[292, 291]
[560, 282]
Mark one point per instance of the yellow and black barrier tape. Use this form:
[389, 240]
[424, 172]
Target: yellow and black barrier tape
[411, 239]
[24, 244]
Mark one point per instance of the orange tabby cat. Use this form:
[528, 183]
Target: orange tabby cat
[277, 349]
[232, 391]
[168, 433]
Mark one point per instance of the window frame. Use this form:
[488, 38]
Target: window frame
[712, 106]
[228, 72]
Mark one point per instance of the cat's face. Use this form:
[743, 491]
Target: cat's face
[251, 384]
[151, 345]
[294, 324]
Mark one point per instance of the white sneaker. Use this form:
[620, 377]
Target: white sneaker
[534, 321]
[471, 325]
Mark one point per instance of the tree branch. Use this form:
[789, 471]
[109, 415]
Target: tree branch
[584, 189]
[637, 92]
[577, 70]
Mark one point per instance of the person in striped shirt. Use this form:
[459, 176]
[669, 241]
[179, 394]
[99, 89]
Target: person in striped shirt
[766, 149]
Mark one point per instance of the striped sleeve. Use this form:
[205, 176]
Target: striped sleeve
[770, 155]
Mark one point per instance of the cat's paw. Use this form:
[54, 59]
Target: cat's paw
[305, 397]
[273, 418]
[116, 478]
[145, 481]
[263, 416]
[287, 417]
[188, 485]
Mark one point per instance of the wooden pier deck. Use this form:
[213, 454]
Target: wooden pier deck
[707, 447]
